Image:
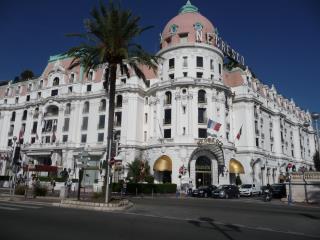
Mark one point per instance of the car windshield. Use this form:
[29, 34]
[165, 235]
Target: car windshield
[222, 187]
[246, 186]
[202, 187]
[276, 186]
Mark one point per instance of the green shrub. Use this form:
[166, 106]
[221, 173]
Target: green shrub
[98, 195]
[40, 190]
[149, 179]
[48, 179]
[20, 190]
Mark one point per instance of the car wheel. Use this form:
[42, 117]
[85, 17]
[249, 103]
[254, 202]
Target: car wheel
[251, 194]
[206, 195]
[238, 195]
[227, 196]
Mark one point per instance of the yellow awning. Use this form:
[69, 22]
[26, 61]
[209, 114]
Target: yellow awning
[235, 166]
[163, 163]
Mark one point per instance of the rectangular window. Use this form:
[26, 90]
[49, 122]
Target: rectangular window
[211, 76]
[84, 123]
[100, 137]
[33, 140]
[65, 138]
[202, 132]
[34, 128]
[28, 98]
[185, 62]
[199, 74]
[123, 80]
[145, 135]
[146, 117]
[39, 94]
[171, 76]
[10, 133]
[70, 89]
[66, 124]
[202, 115]
[47, 139]
[171, 63]
[167, 116]
[200, 62]
[118, 116]
[211, 64]
[219, 68]
[257, 142]
[184, 109]
[88, 88]
[185, 74]
[184, 131]
[9, 142]
[83, 138]
[167, 133]
[102, 119]
[17, 100]
[54, 92]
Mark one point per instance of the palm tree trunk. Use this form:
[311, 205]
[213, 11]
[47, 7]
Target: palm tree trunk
[112, 93]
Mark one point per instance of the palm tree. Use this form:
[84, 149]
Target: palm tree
[109, 40]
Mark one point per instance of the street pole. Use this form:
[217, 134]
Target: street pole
[12, 179]
[107, 197]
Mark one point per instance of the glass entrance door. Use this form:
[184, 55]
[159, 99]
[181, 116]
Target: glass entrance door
[203, 172]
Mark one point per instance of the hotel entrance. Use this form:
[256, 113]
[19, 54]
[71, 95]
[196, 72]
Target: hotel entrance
[203, 171]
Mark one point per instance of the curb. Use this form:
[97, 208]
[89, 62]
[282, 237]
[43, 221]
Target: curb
[122, 205]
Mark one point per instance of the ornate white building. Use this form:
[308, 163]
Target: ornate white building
[62, 114]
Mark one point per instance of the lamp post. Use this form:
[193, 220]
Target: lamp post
[12, 178]
[315, 117]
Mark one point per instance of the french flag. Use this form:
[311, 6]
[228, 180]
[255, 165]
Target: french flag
[213, 125]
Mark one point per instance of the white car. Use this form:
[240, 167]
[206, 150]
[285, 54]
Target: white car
[249, 190]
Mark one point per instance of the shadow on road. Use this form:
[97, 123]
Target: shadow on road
[210, 221]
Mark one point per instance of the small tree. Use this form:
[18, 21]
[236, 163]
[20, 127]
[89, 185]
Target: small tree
[139, 171]
[316, 160]
[26, 74]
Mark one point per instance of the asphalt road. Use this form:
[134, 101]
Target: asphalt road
[162, 218]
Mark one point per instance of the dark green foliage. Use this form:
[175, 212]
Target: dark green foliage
[26, 74]
[146, 188]
[48, 179]
[316, 161]
[40, 190]
[20, 189]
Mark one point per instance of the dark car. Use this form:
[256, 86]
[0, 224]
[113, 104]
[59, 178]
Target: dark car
[278, 190]
[227, 191]
[203, 191]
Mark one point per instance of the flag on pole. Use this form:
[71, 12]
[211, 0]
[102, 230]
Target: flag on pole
[239, 133]
[212, 127]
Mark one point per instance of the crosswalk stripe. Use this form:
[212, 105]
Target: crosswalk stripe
[9, 208]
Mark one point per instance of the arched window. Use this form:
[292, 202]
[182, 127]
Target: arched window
[41, 84]
[168, 98]
[13, 116]
[202, 96]
[90, 75]
[55, 81]
[119, 101]
[52, 110]
[68, 108]
[24, 115]
[72, 77]
[103, 105]
[86, 107]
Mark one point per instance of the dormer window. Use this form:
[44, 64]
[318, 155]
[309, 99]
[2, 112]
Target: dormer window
[41, 84]
[55, 81]
[90, 75]
[71, 79]
[30, 87]
[18, 89]
[183, 37]
[173, 29]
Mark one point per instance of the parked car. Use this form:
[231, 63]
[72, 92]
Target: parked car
[204, 191]
[249, 190]
[278, 190]
[226, 191]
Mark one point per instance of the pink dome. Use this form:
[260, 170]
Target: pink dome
[185, 23]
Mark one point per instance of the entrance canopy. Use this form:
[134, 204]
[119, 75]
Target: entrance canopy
[163, 163]
[235, 166]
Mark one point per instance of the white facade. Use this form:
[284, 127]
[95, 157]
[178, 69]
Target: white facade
[167, 118]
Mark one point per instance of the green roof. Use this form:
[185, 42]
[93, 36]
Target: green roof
[188, 8]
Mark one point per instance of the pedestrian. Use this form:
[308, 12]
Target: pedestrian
[69, 185]
[53, 184]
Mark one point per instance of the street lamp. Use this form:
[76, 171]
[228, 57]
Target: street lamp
[315, 117]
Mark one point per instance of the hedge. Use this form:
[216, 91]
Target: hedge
[146, 188]
[57, 179]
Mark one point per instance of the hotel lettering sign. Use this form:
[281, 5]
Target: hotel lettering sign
[212, 141]
[214, 39]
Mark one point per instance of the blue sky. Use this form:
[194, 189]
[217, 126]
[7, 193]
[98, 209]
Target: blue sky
[278, 38]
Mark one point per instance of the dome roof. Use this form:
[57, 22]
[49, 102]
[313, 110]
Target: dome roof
[185, 24]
